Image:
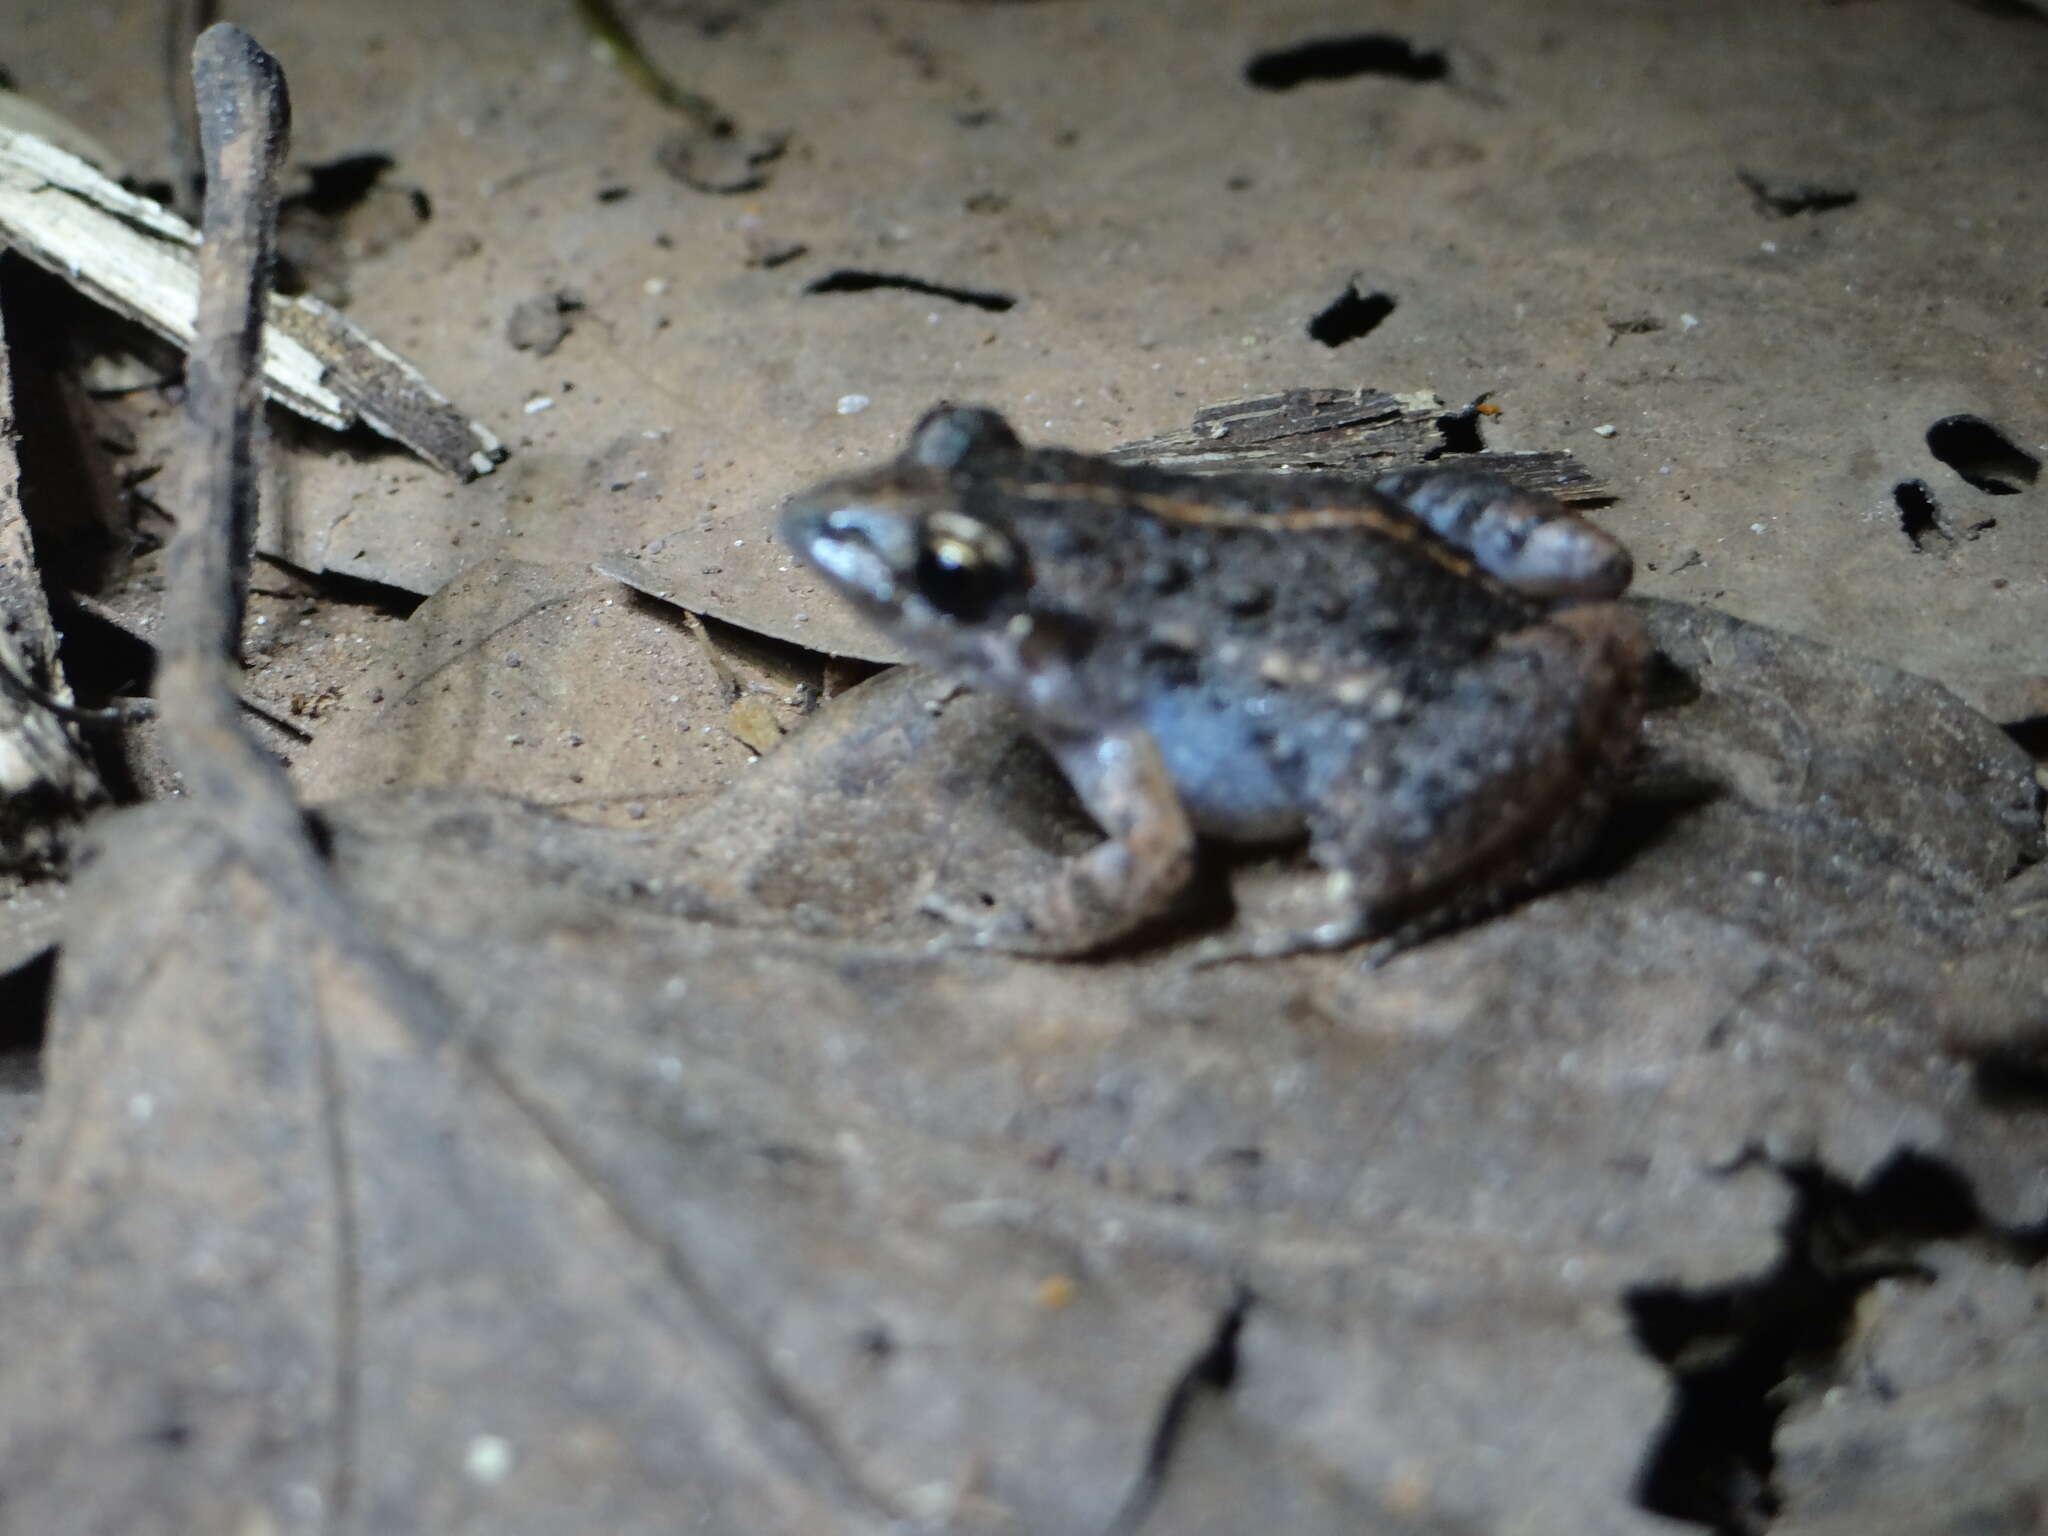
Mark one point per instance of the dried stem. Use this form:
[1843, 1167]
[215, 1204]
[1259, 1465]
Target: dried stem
[243, 127]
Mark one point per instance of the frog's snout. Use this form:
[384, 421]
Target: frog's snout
[863, 547]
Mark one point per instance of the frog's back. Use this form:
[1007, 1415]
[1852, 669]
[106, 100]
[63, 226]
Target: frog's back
[1259, 629]
[1273, 580]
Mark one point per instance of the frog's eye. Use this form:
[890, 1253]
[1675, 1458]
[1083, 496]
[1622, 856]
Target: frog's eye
[964, 566]
[951, 435]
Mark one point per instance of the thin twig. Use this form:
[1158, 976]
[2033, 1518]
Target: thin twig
[608, 28]
[244, 124]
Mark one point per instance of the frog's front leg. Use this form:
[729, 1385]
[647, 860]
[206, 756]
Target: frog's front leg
[1120, 884]
[1479, 793]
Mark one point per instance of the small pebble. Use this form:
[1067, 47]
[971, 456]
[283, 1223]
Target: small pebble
[851, 405]
[488, 1459]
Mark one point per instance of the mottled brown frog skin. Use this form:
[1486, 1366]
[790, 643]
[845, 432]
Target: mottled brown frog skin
[1423, 673]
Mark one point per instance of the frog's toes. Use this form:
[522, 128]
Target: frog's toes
[972, 916]
[978, 923]
[1277, 943]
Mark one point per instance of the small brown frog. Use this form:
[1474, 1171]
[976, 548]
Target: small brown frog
[1422, 673]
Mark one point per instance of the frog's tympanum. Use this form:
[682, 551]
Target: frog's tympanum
[1425, 674]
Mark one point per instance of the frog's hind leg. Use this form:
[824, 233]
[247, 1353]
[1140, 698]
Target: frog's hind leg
[1532, 542]
[1134, 875]
[1479, 793]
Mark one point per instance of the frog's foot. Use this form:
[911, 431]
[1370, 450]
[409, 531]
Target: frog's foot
[1116, 887]
[1122, 883]
[1344, 930]
[1277, 943]
[1092, 901]
[1342, 922]
[983, 924]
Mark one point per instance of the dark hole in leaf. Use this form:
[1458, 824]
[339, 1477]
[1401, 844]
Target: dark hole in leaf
[1345, 58]
[319, 830]
[1633, 325]
[1459, 431]
[1919, 513]
[338, 185]
[851, 280]
[1738, 1353]
[1786, 197]
[1982, 455]
[314, 246]
[1353, 315]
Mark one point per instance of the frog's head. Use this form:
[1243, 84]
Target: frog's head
[902, 546]
[898, 545]
[928, 555]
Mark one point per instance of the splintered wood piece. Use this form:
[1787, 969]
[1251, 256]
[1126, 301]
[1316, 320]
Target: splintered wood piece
[137, 258]
[1348, 431]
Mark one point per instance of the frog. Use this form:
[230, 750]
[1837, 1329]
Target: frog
[1425, 675]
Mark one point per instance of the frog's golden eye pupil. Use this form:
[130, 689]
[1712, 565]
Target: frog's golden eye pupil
[964, 567]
